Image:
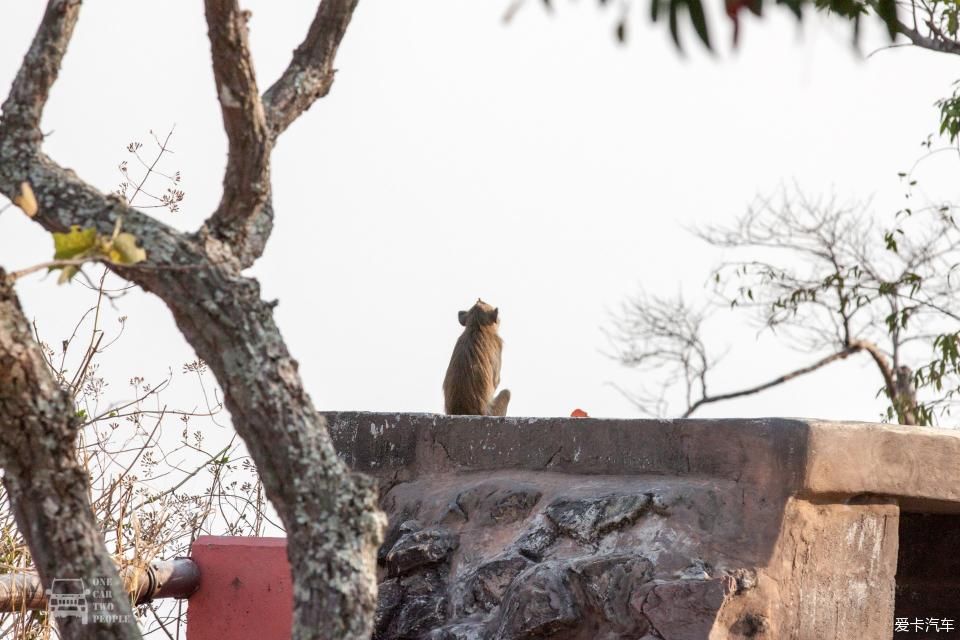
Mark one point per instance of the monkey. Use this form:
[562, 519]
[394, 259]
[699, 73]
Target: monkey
[474, 371]
[905, 401]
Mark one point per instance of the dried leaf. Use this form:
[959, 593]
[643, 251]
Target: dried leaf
[67, 273]
[125, 250]
[26, 200]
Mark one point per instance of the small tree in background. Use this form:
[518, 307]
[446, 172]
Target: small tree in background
[828, 282]
[825, 280]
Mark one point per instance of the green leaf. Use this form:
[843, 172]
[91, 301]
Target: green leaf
[674, 33]
[890, 241]
[887, 10]
[699, 21]
[794, 6]
[82, 244]
[73, 244]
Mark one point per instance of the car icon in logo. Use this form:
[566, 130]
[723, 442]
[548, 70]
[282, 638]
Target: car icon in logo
[68, 597]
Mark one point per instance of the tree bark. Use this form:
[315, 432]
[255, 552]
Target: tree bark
[333, 524]
[898, 384]
[45, 481]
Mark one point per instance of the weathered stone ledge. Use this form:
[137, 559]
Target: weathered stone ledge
[588, 529]
[800, 457]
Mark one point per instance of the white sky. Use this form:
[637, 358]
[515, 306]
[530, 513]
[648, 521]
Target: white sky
[538, 165]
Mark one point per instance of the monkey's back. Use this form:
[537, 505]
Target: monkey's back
[474, 372]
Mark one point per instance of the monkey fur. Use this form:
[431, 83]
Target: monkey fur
[474, 370]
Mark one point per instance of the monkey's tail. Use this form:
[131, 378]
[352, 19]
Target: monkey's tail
[498, 407]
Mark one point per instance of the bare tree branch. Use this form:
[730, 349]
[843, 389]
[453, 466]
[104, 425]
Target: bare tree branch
[880, 359]
[244, 218]
[52, 264]
[823, 278]
[28, 95]
[840, 355]
[939, 42]
[310, 73]
[45, 482]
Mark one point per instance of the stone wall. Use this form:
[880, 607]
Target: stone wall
[508, 528]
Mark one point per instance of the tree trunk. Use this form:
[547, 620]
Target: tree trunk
[333, 525]
[45, 482]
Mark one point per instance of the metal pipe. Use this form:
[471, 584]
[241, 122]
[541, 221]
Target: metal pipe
[21, 591]
[177, 578]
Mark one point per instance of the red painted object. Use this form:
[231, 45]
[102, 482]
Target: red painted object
[245, 590]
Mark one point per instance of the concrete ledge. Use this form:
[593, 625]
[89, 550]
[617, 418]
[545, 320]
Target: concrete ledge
[786, 456]
[768, 529]
[916, 465]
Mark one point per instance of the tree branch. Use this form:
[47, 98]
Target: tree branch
[940, 44]
[310, 73]
[839, 355]
[65, 200]
[45, 482]
[897, 383]
[881, 361]
[244, 218]
[13, 276]
[28, 95]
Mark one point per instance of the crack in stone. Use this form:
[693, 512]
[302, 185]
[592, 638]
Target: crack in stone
[553, 457]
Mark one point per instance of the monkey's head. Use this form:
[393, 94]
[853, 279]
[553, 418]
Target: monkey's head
[480, 315]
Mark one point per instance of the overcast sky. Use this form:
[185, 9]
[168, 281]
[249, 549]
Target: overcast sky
[538, 165]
